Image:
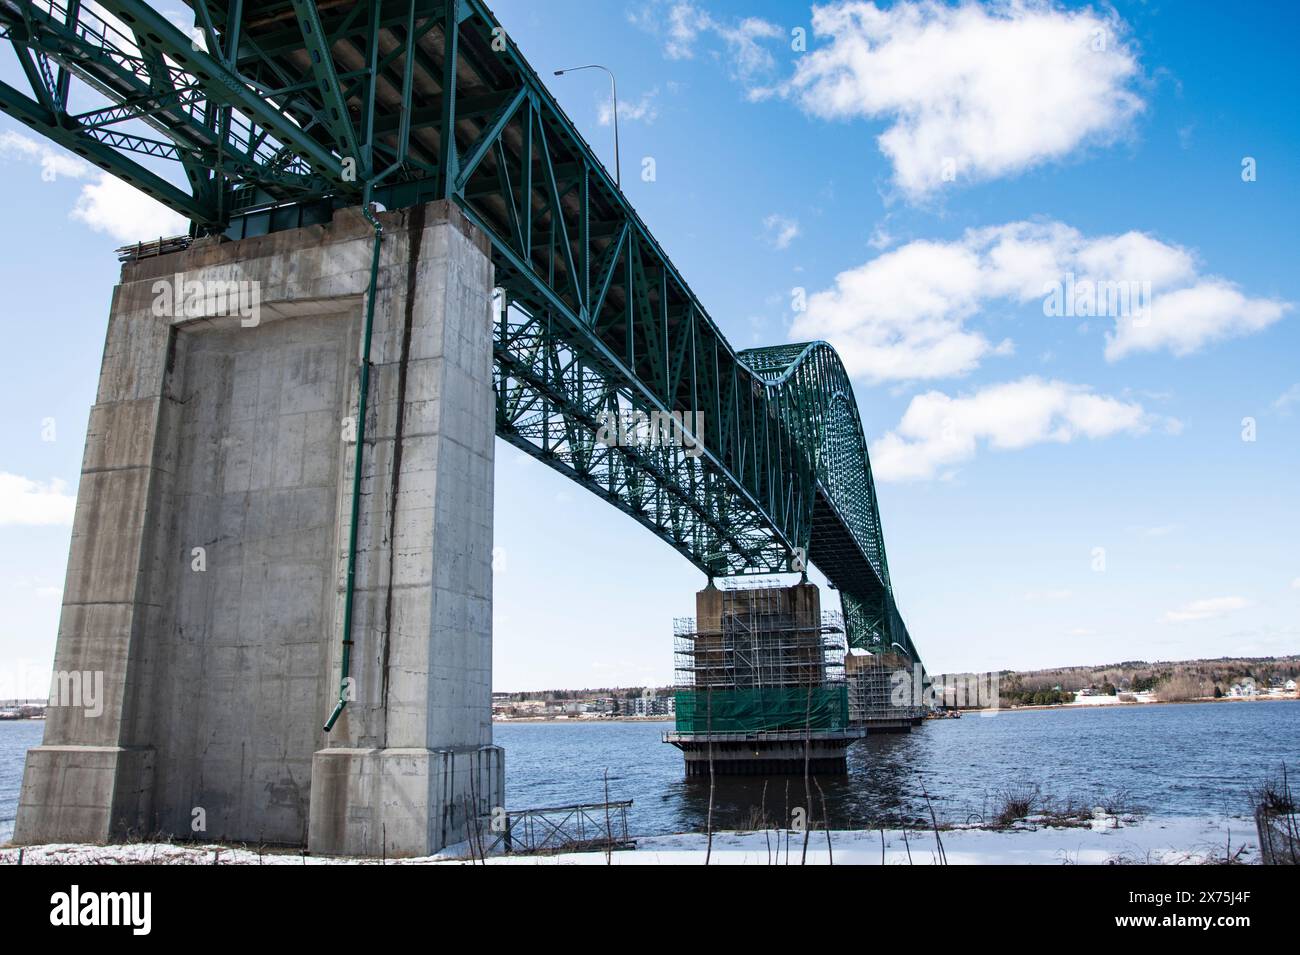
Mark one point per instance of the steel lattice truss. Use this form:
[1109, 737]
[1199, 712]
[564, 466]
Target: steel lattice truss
[276, 113]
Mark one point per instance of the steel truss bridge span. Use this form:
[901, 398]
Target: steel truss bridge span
[270, 115]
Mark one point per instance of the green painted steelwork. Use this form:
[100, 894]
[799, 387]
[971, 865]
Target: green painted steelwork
[762, 709]
[288, 110]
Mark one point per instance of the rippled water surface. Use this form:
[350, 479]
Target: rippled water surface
[1185, 760]
[1177, 760]
[16, 737]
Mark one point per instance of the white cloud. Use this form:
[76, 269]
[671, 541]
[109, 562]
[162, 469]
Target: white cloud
[54, 163]
[106, 203]
[686, 28]
[780, 230]
[1206, 609]
[685, 24]
[1286, 399]
[33, 503]
[902, 315]
[937, 432]
[748, 57]
[1185, 320]
[970, 91]
[122, 211]
[644, 110]
[1295, 584]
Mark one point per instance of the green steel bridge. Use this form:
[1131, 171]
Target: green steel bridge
[279, 112]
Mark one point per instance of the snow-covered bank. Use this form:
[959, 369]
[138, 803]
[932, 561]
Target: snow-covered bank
[1166, 841]
[1162, 841]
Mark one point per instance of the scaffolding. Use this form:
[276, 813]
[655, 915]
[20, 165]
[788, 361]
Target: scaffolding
[760, 660]
[880, 689]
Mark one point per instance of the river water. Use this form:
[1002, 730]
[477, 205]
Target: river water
[16, 736]
[1197, 759]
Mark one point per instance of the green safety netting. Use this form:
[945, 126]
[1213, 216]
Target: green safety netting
[763, 709]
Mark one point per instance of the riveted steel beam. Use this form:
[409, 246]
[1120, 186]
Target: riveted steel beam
[42, 121]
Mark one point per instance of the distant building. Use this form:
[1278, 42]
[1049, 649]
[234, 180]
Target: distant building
[1091, 696]
[650, 706]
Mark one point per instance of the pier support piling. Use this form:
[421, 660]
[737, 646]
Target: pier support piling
[206, 577]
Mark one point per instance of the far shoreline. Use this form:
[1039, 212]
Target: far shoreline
[581, 719]
[1111, 706]
[964, 712]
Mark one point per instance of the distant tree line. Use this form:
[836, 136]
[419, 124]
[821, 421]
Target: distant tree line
[1170, 680]
[1037, 697]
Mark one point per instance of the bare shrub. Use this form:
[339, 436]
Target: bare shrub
[1274, 797]
[1014, 804]
[1117, 803]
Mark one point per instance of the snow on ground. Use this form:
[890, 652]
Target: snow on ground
[1169, 840]
[1155, 841]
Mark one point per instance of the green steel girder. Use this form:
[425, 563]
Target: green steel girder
[224, 85]
[434, 101]
[137, 107]
[103, 156]
[141, 85]
[334, 107]
[35, 66]
[551, 401]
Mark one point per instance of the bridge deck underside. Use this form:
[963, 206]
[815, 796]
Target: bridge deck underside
[289, 109]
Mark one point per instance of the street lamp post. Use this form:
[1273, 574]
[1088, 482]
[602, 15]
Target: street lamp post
[613, 93]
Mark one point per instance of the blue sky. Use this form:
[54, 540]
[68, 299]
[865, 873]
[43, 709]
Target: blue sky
[1054, 490]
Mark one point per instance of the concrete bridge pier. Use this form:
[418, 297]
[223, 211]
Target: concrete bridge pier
[206, 577]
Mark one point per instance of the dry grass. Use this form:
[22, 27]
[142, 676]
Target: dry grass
[1015, 804]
